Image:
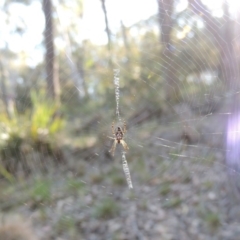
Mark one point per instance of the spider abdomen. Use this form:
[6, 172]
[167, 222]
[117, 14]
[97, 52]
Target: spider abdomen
[119, 136]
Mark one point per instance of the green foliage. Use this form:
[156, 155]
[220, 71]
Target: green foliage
[186, 178]
[96, 177]
[23, 99]
[117, 177]
[6, 174]
[45, 118]
[65, 223]
[212, 219]
[75, 185]
[165, 189]
[35, 130]
[208, 184]
[173, 202]
[106, 208]
[41, 191]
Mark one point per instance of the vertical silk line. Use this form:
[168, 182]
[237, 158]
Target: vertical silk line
[126, 170]
[124, 160]
[117, 93]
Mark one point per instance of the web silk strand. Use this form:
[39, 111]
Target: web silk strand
[124, 160]
[117, 92]
[126, 170]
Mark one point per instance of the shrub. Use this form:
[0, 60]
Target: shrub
[28, 133]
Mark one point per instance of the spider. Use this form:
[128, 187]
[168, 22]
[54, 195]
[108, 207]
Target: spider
[118, 134]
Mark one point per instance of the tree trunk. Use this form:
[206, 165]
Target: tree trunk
[107, 25]
[107, 29]
[165, 9]
[53, 87]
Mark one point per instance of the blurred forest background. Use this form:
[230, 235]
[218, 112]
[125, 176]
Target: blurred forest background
[179, 74]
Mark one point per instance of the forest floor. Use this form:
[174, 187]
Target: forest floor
[180, 188]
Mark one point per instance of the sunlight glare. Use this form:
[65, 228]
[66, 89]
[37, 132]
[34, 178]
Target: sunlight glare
[216, 6]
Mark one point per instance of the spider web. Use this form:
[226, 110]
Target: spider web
[124, 160]
[177, 157]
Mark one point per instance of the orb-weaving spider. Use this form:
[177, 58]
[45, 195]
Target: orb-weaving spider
[118, 134]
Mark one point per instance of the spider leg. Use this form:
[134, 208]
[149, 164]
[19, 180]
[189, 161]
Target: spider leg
[124, 127]
[113, 130]
[111, 137]
[124, 144]
[112, 150]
